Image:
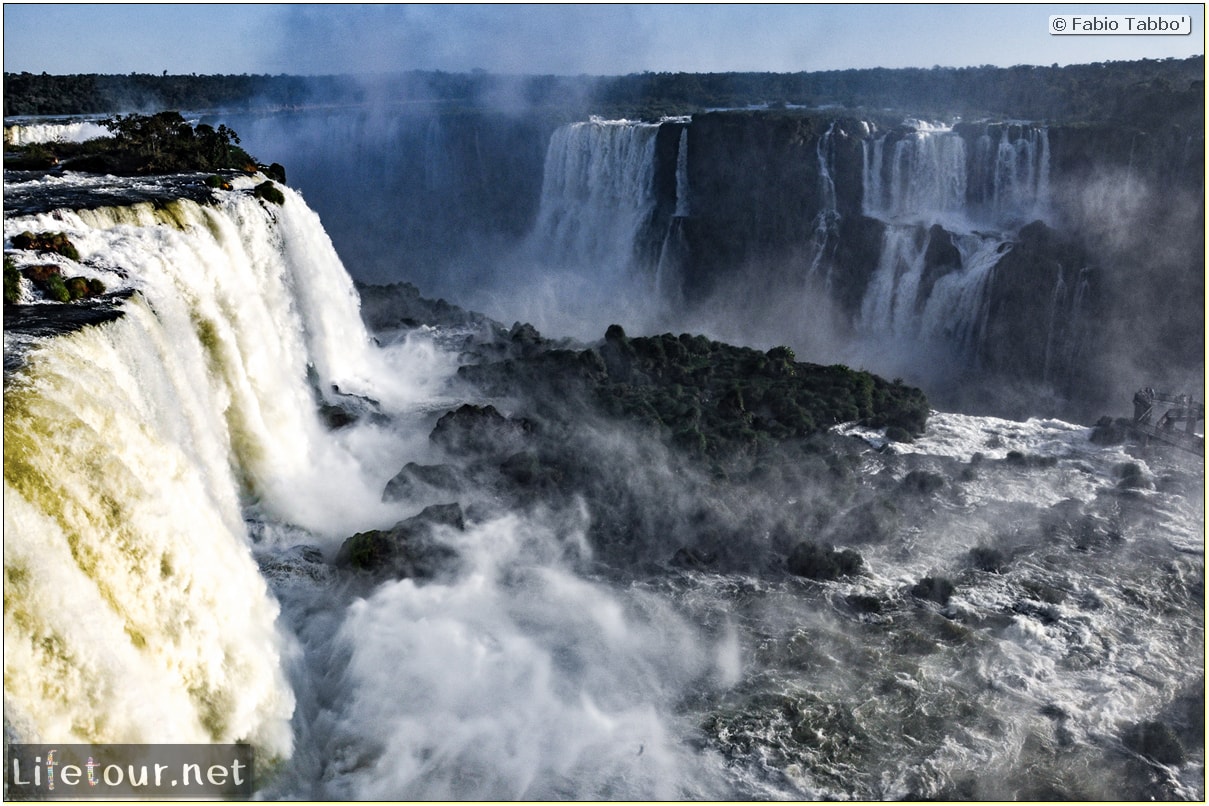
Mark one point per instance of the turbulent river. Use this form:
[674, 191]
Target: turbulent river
[1030, 625]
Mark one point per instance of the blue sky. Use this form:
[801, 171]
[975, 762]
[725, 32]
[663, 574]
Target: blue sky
[602, 39]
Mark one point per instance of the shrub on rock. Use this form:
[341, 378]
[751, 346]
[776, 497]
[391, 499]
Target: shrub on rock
[269, 192]
[988, 559]
[12, 283]
[923, 482]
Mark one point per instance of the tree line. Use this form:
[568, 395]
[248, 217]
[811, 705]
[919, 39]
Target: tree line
[1104, 92]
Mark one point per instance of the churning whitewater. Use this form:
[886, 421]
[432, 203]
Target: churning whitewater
[174, 501]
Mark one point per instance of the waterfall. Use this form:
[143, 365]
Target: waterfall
[929, 177]
[890, 301]
[134, 450]
[871, 176]
[1010, 183]
[76, 131]
[956, 310]
[682, 207]
[827, 221]
[598, 196]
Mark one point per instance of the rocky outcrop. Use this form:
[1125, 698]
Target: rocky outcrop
[409, 549]
[817, 562]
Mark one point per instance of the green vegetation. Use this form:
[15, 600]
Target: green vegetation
[142, 144]
[165, 142]
[56, 289]
[12, 282]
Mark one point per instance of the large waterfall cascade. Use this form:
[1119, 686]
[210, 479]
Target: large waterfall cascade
[135, 450]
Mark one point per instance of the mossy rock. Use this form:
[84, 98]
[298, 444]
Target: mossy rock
[55, 242]
[77, 287]
[269, 192]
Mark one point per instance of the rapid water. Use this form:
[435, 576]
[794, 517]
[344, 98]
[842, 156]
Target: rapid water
[171, 496]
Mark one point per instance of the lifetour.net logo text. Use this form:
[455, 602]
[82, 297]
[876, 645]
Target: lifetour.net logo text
[127, 771]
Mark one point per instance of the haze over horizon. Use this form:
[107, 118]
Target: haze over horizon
[603, 39]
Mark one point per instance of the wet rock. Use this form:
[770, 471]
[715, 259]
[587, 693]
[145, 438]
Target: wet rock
[406, 550]
[872, 522]
[525, 338]
[342, 409]
[1156, 741]
[1046, 614]
[335, 417]
[693, 559]
[1132, 477]
[414, 478]
[1023, 460]
[296, 563]
[934, 589]
[988, 559]
[479, 429]
[864, 603]
[1109, 431]
[533, 473]
[922, 482]
[1060, 520]
[814, 561]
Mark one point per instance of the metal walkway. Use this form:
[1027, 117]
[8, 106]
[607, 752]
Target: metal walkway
[1175, 408]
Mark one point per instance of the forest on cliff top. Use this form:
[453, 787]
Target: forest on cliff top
[1136, 92]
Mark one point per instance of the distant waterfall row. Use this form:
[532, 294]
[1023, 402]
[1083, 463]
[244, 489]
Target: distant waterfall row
[604, 212]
